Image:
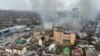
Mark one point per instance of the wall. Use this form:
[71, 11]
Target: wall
[16, 51]
[20, 52]
[59, 36]
[8, 50]
[24, 50]
[73, 38]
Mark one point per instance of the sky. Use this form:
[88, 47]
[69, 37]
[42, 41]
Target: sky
[14, 4]
[40, 4]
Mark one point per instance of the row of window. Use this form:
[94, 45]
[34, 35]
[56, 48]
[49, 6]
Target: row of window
[3, 33]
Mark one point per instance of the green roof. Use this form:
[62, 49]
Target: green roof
[66, 50]
[21, 41]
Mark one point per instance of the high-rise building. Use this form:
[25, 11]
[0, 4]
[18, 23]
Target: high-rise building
[75, 12]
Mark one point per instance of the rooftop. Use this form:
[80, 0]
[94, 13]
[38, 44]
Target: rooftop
[21, 41]
[13, 46]
[60, 29]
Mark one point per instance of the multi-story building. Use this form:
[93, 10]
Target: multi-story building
[75, 12]
[62, 37]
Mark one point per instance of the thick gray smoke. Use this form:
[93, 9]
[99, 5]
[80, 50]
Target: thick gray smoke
[52, 4]
[49, 10]
[87, 11]
[46, 4]
[87, 8]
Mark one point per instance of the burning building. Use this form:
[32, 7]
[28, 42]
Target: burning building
[62, 37]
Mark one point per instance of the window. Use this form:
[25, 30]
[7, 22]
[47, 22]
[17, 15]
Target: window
[66, 41]
[7, 31]
[0, 33]
[66, 37]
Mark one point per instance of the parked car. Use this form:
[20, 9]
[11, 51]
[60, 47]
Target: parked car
[51, 48]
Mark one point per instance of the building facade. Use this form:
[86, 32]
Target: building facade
[64, 38]
[18, 50]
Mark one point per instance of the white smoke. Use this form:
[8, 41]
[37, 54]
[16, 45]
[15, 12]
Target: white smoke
[52, 4]
[50, 9]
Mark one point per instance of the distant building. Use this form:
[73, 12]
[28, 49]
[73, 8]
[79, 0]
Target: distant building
[98, 28]
[62, 37]
[75, 12]
[48, 25]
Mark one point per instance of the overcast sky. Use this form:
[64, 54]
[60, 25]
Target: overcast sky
[33, 4]
[14, 4]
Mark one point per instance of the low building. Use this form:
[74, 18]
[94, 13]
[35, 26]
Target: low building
[38, 33]
[62, 37]
[19, 46]
[16, 49]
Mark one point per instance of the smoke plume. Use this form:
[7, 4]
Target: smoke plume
[50, 9]
[52, 4]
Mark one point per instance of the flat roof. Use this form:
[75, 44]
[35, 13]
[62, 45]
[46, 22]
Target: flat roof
[4, 29]
[18, 27]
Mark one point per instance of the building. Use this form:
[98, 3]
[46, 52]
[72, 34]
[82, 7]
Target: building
[62, 37]
[19, 46]
[48, 25]
[9, 30]
[98, 28]
[16, 49]
[38, 33]
[75, 12]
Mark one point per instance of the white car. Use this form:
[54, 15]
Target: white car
[52, 48]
